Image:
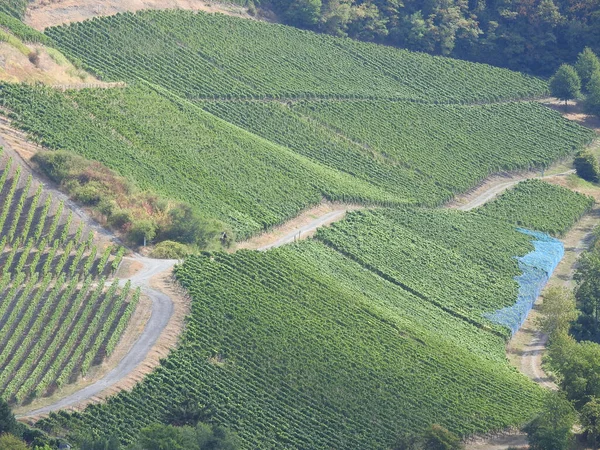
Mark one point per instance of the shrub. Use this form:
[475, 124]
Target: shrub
[170, 250]
[587, 166]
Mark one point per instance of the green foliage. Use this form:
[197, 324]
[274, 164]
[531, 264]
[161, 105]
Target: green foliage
[257, 59]
[539, 206]
[587, 64]
[438, 438]
[200, 437]
[590, 421]
[22, 31]
[300, 337]
[552, 429]
[54, 324]
[8, 423]
[565, 83]
[10, 442]
[587, 294]
[303, 13]
[170, 250]
[592, 100]
[587, 166]
[557, 311]
[578, 364]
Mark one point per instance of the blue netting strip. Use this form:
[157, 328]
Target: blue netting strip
[537, 267]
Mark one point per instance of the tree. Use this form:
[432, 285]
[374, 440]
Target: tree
[578, 364]
[587, 295]
[557, 311]
[142, 231]
[592, 101]
[565, 84]
[439, 438]
[8, 423]
[303, 13]
[551, 430]
[10, 442]
[587, 63]
[587, 166]
[590, 421]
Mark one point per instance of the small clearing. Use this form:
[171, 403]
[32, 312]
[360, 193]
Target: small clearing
[50, 67]
[47, 13]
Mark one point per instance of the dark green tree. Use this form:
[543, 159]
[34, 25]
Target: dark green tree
[587, 63]
[439, 438]
[565, 84]
[590, 421]
[587, 295]
[551, 430]
[303, 13]
[592, 101]
[8, 423]
[587, 166]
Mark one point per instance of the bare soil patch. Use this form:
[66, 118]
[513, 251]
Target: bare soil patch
[15, 67]
[47, 13]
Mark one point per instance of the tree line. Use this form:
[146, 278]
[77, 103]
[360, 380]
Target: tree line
[525, 35]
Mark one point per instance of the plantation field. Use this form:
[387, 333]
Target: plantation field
[433, 150]
[539, 206]
[58, 316]
[271, 161]
[15, 8]
[306, 346]
[217, 56]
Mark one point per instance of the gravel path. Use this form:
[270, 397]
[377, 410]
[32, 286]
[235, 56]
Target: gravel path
[162, 310]
[304, 231]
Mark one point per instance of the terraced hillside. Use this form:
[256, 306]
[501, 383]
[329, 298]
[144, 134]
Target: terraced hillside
[305, 347]
[217, 56]
[59, 311]
[289, 158]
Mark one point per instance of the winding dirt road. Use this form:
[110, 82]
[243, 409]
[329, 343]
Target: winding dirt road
[162, 310]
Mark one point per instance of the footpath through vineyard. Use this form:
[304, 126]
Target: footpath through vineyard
[527, 346]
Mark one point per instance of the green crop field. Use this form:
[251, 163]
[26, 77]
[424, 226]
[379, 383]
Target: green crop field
[539, 206]
[306, 346]
[288, 159]
[210, 56]
[58, 316]
[15, 8]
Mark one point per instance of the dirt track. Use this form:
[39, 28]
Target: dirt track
[162, 310]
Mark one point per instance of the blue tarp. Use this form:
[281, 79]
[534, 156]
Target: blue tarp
[537, 267]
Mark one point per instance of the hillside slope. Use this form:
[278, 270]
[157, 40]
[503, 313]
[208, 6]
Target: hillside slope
[420, 154]
[61, 311]
[216, 56]
[304, 347]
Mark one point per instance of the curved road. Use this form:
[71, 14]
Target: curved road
[162, 306]
[162, 310]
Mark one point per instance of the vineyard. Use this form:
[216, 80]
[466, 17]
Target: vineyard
[434, 151]
[59, 312]
[382, 316]
[15, 8]
[539, 206]
[217, 56]
[271, 161]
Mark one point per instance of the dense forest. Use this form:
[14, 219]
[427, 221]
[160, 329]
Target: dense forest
[528, 35]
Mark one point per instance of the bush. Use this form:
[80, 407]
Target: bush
[170, 250]
[142, 231]
[587, 166]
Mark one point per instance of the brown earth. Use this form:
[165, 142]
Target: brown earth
[47, 13]
[51, 68]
